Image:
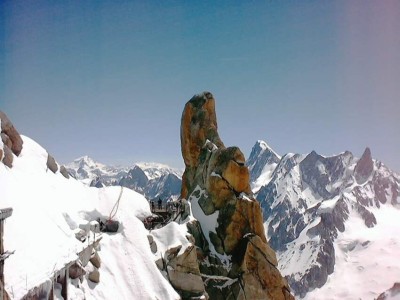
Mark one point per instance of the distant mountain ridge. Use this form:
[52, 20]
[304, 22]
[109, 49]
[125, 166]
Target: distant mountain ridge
[154, 180]
[310, 202]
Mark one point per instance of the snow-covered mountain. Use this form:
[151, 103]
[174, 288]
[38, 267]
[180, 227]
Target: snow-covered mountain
[154, 180]
[47, 215]
[332, 220]
[89, 171]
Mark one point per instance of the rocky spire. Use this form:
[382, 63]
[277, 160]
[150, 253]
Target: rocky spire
[198, 124]
[364, 167]
[216, 181]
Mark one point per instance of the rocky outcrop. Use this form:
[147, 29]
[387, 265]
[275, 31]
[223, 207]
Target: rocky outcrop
[198, 124]
[51, 163]
[94, 276]
[64, 172]
[136, 180]
[234, 256]
[8, 156]
[12, 141]
[96, 182]
[364, 167]
[392, 293]
[76, 271]
[182, 270]
[95, 260]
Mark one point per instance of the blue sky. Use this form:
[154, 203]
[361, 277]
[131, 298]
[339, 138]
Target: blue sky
[110, 78]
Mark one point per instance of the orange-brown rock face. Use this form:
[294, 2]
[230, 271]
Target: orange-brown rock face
[12, 142]
[199, 124]
[216, 181]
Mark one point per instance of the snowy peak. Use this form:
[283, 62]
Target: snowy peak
[86, 168]
[85, 160]
[154, 170]
[262, 148]
[308, 202]
[262, 160]
[320, 172]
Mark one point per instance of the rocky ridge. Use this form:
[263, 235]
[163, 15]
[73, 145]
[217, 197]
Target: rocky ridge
[11, 145]
[235, 260]
[11, 142]
[392, 293]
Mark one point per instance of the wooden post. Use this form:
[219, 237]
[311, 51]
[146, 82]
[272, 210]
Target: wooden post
[1, 252]
[51, 296]
[2, 261]
[64, 283]
[4, 213]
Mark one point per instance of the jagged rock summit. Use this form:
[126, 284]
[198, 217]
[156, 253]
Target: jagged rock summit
[234, 257]
[364, 167]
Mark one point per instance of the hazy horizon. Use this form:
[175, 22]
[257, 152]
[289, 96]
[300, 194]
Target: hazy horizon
[110, 80]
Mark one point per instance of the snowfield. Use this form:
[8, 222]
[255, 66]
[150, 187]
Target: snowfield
[47, 211]
[367, 259]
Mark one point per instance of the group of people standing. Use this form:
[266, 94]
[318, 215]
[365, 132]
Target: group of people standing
[170, 205]
[159, 202]
[159, 218]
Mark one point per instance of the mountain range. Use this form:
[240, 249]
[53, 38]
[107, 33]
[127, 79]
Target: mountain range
[153, 180]
[324, 215]
[310, 203]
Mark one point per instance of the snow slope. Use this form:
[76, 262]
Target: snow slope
[47, 211]
[366, 258]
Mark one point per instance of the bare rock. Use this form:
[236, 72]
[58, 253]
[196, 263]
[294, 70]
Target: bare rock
[219, 191]
[95, 260]
[51, 163]
[264, 248]
[237, 176]
[76, 271]
[172, 252]
[152, 243]
[199, 124]
[94, 276]
[64, 172]
[183, 271]
[186, 282]
[206, 205]
[261, 278]
[364, 167]
[196, 231]
[8, 157]
[216, 241]
[392, 293]
[238, 219]
[8, 129]
[184, 274]
[6, 140]
[160, 264]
